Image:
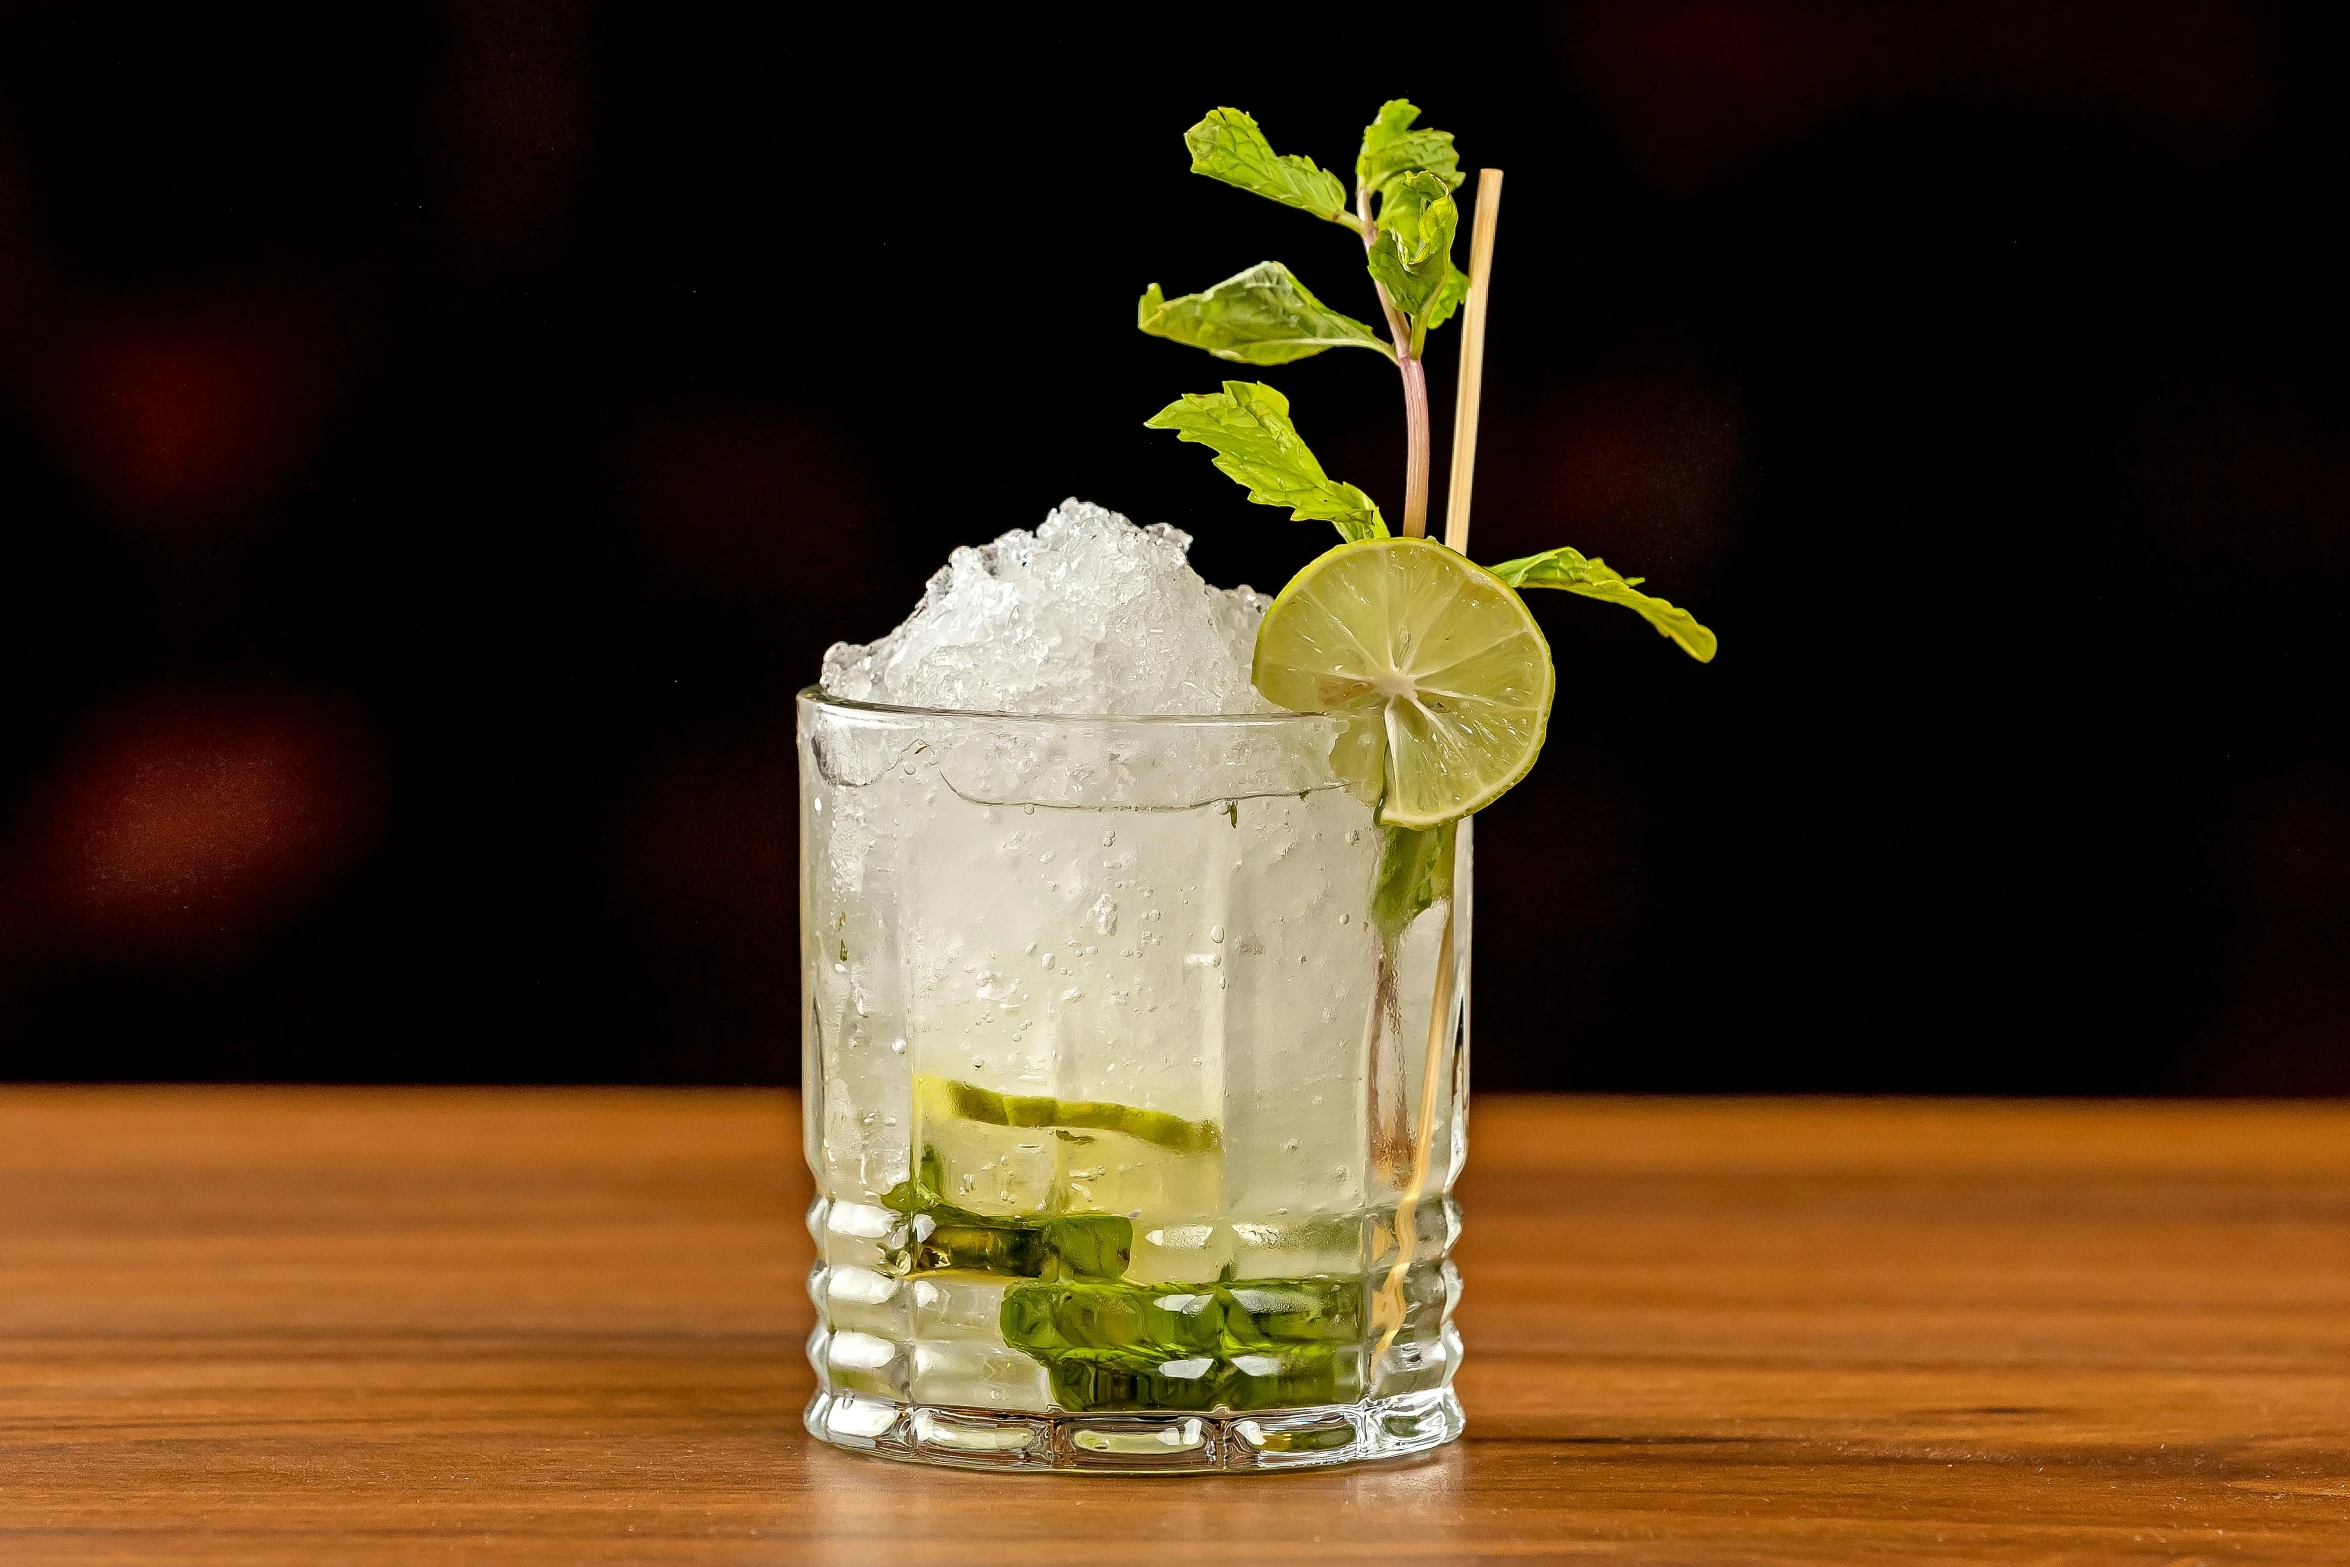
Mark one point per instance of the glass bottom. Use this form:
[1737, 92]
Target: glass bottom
[1137, 1443]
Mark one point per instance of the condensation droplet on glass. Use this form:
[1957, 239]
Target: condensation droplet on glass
[1344, 918]
[1027, 810]
[897, 1047]
[1046, 960]
[1215, 933]
[1109, 840]
[1045, 858]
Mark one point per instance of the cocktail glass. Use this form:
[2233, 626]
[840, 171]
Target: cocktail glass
[1135, 1086]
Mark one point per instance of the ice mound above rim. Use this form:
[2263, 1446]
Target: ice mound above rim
[1088, 614]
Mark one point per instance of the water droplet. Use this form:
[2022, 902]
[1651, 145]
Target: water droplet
[1109, 840]
[1045, 858]
[1027, 810]
[1215, 933]
[897, 1047]
[1046, 960]
[1343, 918]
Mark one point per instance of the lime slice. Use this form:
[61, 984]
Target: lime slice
[1437, 662]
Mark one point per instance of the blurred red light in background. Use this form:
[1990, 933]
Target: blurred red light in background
[176, 419]
[187, 822]
[1707, 86]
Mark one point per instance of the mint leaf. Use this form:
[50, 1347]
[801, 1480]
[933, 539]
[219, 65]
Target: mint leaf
[1263, 316]
[1392, 149]
[1088, 1245]
[1247, 426]
[1447, 298]
[1595, 578]
[1422, 216]
[1228, 146]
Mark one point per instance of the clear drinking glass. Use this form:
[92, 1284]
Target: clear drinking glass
[1133, 1139]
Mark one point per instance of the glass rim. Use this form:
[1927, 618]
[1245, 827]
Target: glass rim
[816, 696]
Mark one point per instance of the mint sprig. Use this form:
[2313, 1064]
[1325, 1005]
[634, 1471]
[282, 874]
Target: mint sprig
[1404, 210]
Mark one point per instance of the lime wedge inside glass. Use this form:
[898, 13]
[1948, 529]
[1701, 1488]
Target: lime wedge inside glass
[1436, 662]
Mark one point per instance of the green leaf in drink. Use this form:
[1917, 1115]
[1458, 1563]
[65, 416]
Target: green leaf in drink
[1227, 146]
[1415, 874]
[1252, 1344]
[1594, 578]
[1247, 426]
[1263, 316]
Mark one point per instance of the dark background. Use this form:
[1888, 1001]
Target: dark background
[436, 442]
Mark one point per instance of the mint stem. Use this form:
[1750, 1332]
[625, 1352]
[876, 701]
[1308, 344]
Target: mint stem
[1415, 459]
[1415, 388]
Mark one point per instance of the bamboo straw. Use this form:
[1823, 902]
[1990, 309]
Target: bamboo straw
[1389, 1307]
[1464, 402]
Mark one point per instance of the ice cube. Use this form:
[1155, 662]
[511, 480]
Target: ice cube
[1088, 614]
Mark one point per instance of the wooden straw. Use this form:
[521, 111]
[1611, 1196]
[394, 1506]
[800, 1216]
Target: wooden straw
[1389, 1307]
[1464, 402]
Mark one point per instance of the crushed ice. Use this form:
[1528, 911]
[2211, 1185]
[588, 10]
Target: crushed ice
[1088, 614]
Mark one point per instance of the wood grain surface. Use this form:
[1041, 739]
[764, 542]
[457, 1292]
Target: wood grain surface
[263, 1326]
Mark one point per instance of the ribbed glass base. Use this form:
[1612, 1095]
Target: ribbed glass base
[1137, 1443]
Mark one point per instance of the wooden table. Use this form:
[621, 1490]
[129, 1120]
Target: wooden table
[262, 1326]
